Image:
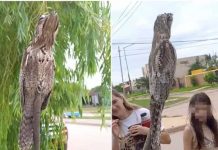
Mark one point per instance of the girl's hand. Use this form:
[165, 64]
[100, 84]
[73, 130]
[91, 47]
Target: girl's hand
[115, 128]
[138, 130]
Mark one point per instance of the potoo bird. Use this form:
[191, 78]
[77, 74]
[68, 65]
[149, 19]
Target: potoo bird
[36, 80]
[162, 65]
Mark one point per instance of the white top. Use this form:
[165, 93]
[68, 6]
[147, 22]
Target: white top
[132, 119]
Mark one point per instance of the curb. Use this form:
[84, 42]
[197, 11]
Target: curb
[176, 129]
[87, 123]
[169, 130]
[91, 124]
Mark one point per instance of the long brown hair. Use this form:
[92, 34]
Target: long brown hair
[211, 121]
[127, 105]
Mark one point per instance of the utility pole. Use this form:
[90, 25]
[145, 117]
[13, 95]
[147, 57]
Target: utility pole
[130, 83]
[121, 69]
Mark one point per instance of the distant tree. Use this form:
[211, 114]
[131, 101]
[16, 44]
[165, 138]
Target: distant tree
[142, 82]
[194, 81]
[196, 65]
[118, 87]
[211, 78]
[207, 60]
[211, 62]
[214, 60]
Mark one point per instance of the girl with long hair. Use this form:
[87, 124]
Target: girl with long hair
[130, 124]
[202, 131]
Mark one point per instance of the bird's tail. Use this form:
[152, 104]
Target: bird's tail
[26, 133]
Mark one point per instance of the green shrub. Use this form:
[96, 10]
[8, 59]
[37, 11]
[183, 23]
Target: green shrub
[211, 78]
[194, 81]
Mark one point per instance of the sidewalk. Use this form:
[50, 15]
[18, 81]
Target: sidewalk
[171, 124]
[94, 122]
[174, 124]
[174, 118]
[177, 123]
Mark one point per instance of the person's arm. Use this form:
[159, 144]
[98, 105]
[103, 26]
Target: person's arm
[115, 143]
[115, 135]
[187, 138]
[138, 129]
[165, 137]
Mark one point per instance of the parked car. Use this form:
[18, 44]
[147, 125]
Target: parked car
[71, 114]
[53, 137]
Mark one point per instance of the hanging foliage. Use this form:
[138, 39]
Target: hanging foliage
[84, 36]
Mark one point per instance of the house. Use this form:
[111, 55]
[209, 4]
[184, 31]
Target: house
[182, 67]
[198, 77]
[95, 96]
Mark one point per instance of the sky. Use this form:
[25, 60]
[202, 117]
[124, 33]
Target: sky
[89, 81]
[133, 21]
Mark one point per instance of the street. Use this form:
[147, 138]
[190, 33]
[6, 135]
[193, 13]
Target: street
[83, 137]
[176, 142]
[182, 109]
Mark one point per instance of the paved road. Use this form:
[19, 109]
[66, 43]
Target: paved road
[182, 109]
[176, 142]
[83, 137]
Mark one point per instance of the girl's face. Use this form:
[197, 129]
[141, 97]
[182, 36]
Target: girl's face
[117, 106]
[200, 112]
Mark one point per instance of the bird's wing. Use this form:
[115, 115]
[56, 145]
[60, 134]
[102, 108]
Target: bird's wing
[22, 90]
[49, 77]
[22, 76]
[45, 101]
[164, 57]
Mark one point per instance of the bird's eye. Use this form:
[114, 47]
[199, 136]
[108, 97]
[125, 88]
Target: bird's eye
[42, 17]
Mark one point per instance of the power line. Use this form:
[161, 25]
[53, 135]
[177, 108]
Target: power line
[122, 14]
[123, 37]
[197, 45]
[179, 41]
[131, 54]
[134, 9]
[144, 49]
[139, 49]
[178, 49]
[126, 15]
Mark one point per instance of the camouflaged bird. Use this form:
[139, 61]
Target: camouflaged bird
[36, 80]
[162, 65]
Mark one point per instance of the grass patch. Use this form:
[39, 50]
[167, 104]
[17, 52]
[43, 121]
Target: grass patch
[142, 102]
[186, 89]
[138, 97]
[215, 85]
[178, 99]
[146, 102]
[95, 117]
[137, 94]
[91, 109]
